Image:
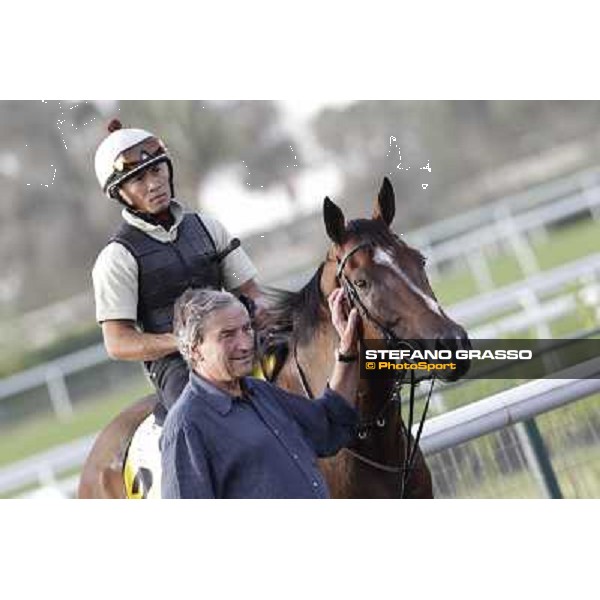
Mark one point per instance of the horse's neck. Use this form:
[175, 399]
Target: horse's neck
[317, 356]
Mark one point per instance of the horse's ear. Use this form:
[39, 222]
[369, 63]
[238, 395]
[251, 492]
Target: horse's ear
[335, 223]
[385, 206]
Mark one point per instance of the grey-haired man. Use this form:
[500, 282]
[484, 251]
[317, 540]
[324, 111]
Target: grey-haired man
[233, 436]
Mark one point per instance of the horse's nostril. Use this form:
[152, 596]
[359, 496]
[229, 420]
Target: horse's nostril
[443, 343]
[462, 339]
[455, 339]
[466, 342]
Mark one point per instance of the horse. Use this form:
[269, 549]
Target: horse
[386, 280]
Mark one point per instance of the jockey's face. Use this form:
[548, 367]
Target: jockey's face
[227, 351]
[149, 191]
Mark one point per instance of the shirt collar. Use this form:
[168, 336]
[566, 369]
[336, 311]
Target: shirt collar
[135, 221]
[219, 400]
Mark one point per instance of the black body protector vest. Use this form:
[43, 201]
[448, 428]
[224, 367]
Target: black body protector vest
[167, 269]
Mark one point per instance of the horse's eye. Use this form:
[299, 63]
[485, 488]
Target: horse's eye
[423, 261]
[360, 283]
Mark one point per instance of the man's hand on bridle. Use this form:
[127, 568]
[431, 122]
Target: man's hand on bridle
[345, 324]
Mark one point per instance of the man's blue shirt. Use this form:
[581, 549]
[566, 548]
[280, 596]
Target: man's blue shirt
[263, 445]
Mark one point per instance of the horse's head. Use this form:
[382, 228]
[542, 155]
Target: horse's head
[386, 279]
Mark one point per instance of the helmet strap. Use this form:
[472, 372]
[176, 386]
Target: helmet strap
[165, 220]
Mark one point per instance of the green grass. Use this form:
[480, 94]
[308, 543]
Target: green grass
[41, 433]
[577, 471]
[454, 286]
[568, 244]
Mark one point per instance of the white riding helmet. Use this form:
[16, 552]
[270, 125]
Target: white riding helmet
[125, 152]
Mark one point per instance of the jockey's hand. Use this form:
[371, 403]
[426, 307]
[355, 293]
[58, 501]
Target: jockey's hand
[345, 324]
[260, 309]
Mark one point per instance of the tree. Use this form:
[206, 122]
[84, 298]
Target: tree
[461, 141]
[202, 135]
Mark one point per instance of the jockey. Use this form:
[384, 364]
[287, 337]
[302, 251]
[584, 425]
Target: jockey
[159, 251]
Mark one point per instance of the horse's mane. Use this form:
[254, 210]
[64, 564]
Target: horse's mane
[293, 315]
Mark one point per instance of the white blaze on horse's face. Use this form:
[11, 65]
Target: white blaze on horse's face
[383, 258]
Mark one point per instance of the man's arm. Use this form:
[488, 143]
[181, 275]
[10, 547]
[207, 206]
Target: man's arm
[185, 472]
[249, 288]
[115, 278]
[237, 268]
[124, 342]
[327, 422]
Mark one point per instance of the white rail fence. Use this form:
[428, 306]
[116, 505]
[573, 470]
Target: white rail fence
[511, 297]
[439, 433]
[52, 375]
[508, 228]
[583, 182]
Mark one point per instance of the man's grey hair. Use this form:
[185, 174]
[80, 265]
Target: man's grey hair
[190, 315]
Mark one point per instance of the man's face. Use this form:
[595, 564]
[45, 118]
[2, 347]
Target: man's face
[227, 351]
[148, 191]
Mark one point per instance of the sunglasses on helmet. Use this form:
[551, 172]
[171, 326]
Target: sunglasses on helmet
[138, 155]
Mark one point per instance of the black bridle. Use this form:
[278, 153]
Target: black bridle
[379, 421]
[354, 297]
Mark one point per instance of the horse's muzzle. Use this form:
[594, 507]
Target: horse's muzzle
[454, 339]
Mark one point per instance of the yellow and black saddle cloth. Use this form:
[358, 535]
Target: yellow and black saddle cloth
[142, 470]
[142, 467]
